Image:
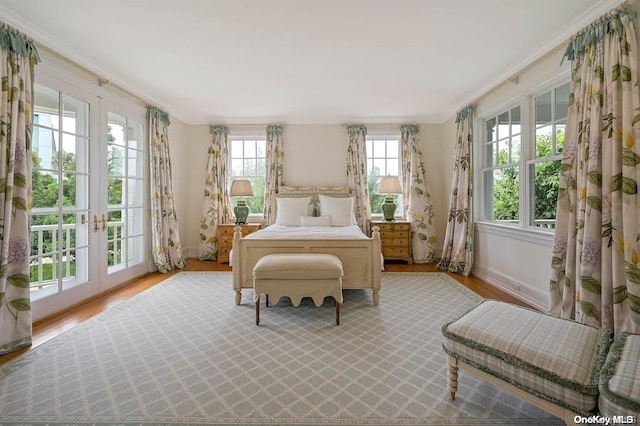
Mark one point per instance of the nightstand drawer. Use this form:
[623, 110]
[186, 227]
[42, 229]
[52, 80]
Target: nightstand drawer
[396, 242]
[393, 234]
[395, 252]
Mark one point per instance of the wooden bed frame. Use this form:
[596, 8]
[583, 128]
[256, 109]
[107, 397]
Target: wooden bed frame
[361, 258]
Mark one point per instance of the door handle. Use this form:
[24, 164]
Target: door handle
[96, 227]
[104, 223]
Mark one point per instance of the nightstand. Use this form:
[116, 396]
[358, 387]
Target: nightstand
[395, 238]
[225, 238]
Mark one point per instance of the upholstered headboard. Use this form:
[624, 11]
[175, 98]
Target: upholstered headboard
[313, 191]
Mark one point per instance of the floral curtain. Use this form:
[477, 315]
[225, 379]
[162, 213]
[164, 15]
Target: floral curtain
[595, 275]
[167, 250]
[417, 207]
[357, 174]
[18, 57]
[275, 154]
[457, 252]
[216, 207]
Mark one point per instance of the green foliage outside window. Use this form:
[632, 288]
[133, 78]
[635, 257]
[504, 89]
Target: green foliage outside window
[506, 190]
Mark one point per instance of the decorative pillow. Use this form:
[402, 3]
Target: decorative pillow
[340, 209]
[315, 221]
[289, 210]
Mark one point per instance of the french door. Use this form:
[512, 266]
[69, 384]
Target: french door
[89, 179]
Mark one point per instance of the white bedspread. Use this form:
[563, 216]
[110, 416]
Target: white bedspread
[280, 232]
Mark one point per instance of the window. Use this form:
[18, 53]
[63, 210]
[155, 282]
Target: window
[248, 160]
[383, 159]
[501, 175]
[521, 160]
[544, 170]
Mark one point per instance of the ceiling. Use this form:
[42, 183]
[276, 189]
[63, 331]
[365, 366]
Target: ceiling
[303, 61]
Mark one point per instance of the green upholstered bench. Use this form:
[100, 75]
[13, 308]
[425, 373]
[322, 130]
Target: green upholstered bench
[620, 378]
[551, 362]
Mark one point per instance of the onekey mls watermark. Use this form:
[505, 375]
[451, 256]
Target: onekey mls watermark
[605, 420]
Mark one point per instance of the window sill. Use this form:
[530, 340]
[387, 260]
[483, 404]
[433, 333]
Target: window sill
[530, 235]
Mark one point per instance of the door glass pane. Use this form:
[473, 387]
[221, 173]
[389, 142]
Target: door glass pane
[134, 163]
[135, 133]
[75, 118]
[115, 160]
[115, 191]
[45, 147]
[60, 181]
[47, 107]
[126, 192]
[134, 192]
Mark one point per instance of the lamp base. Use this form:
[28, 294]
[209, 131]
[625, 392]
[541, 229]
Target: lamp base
[241, 211]
[389, 209]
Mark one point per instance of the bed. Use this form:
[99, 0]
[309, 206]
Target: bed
[312, 220]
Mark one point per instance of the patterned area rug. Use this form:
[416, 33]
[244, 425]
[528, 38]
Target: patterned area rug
[183, 353]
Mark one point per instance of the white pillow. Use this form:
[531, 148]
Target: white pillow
[340, 209]
[289, 210]
[315, 221]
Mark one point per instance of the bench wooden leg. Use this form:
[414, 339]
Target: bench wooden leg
[258, 311]
[337, 312]
[266, 298]
[452, 376]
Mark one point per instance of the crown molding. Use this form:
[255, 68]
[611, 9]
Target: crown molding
[551, 43]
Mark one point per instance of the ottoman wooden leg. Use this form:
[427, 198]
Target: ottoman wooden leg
[337, 312]
[452, 376]
[258, 311]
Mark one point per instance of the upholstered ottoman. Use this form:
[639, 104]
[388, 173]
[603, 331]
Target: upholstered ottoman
[620, 379]
[298, 275]
[551, 362]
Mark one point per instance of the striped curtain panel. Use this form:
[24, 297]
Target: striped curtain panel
[357, 174]
[595, 266]
[275, 155]
[18, 57]
[167, 249]
[457, 252]
[416, 198]
[216, 208]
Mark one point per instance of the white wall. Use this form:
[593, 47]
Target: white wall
[314, 155]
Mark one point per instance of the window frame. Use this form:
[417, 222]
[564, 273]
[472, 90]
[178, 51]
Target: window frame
[522, 230]
[386, 136]
[246, 136]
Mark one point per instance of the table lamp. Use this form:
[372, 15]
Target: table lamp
[241, 188]
[389, 185]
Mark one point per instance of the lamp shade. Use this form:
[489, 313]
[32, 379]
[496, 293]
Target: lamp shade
[390, 185]
[241, 188]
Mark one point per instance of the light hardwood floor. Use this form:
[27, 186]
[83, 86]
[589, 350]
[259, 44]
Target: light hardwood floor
[53, 326]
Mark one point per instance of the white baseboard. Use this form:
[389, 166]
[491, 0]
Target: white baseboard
[525, 292]
[190, 253]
